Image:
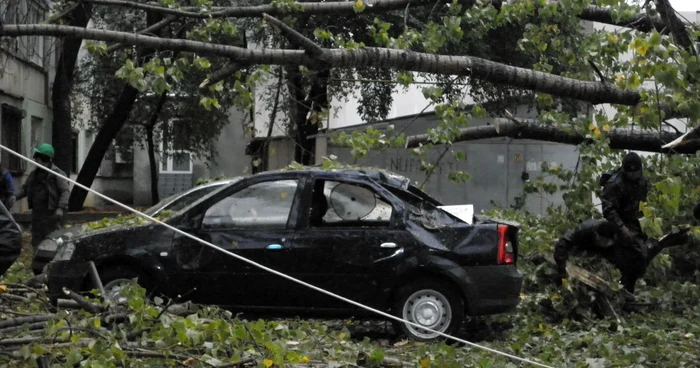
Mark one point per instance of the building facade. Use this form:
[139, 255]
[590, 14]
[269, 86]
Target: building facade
[27, 69]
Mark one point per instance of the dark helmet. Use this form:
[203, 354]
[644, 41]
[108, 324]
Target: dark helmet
[632, 166]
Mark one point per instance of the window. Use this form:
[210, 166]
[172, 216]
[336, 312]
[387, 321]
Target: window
[11, 137]
[348, 204]
[262, 205]
[29, 48]
[175, 157]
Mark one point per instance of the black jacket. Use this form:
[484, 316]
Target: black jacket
[620, 199]
[57, 188]
[583, 237]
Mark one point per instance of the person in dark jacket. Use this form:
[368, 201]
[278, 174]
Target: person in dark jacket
[7, 189]
[597, 236]
[10, 239]
[621, 195]
[47, 195]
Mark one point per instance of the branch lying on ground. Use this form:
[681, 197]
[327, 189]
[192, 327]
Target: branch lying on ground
[82, 302]
[493, 72]
[619, 138]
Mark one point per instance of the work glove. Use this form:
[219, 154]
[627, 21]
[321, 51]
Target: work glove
[11, 202]
[58, 215]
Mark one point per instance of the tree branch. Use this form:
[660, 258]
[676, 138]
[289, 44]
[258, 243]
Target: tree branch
[619, 138]
[493, 72]
[311, 47]
[148, 30]
[641, 22]
[257, 10]
[676, 26]
[220, 74]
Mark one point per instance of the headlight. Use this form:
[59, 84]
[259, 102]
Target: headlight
[65, 252]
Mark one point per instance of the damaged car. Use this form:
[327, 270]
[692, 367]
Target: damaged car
[367, 235]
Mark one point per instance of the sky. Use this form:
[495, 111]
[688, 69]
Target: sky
[685, 5]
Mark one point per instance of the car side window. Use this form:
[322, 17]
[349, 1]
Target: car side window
[347, 205]
[262, 205]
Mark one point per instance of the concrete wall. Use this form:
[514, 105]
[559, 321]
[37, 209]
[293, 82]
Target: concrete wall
[496, 166]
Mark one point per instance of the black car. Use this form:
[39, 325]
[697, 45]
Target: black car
[47, 248]
[368, 235]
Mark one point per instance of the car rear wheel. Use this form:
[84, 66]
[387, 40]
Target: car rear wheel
[430, 304]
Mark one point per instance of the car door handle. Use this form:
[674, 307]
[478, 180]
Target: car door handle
[274, 247]
[388, 245]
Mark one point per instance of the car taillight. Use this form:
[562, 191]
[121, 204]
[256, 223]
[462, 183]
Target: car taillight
[505, 246]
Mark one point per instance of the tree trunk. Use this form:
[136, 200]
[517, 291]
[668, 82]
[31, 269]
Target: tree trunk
[619, 138]
[111, 127]
[62, 126]
[155, 196]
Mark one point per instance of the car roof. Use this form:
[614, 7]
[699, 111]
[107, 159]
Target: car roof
[382, 176]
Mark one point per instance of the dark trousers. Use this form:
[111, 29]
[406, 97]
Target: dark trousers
[43, 224]
[7, 258]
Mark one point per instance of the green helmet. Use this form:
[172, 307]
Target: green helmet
[45, 149]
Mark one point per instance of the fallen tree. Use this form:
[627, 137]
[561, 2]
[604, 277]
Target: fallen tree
[315, 56]
[624, 139]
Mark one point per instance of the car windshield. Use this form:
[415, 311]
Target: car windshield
[178, 201]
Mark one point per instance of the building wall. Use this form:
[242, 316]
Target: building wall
[231, 161]
[27, 67]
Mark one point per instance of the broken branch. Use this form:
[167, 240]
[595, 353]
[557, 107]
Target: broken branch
[82, 302]
[619, 138]
[493, 72]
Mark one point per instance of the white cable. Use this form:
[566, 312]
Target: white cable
[271, 270]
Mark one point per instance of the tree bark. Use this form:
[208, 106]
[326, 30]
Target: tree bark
[619, 138]
[675, 25]
[111, 127]
[496, 73]
[62, 126]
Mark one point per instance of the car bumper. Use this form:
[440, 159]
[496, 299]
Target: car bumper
[497, 289]
[66, 274]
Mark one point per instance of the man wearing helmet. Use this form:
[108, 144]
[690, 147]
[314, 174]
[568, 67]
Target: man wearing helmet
[621, 195]
[47, 195]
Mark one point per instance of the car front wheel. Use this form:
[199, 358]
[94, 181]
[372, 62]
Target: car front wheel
[430, 304]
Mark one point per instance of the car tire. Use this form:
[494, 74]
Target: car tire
[114, 276]
[440, 306]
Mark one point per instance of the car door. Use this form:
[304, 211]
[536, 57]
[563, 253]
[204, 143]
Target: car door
[253, 222]
[345, 246]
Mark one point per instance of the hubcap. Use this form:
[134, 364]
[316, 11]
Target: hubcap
[113, 289]
[430, 309]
